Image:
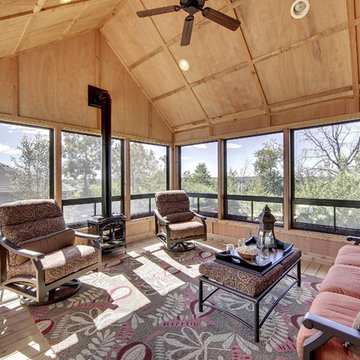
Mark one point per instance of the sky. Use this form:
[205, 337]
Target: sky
[158, 150]
[10, 137]
[240, 153]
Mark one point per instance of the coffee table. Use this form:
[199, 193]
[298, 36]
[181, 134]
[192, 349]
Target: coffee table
[248, 285]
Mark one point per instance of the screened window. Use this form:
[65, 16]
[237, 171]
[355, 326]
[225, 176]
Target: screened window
[148, 174]
[81, 175]
[326, 178]
[199, 176]
[254, 177]
[26, 163]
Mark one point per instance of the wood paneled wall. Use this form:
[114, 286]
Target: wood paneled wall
[50, 84]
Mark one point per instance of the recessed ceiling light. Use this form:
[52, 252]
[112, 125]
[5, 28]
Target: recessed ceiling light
[299, 8]
[64, 1]
[184, 65]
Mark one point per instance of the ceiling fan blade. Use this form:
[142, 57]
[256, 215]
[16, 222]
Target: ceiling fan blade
[221, 18]
[187, 30]
[158, 11]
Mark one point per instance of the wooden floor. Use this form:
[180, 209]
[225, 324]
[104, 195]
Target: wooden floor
[21, 339]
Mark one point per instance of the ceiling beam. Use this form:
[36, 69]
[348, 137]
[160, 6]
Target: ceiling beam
[312, 98]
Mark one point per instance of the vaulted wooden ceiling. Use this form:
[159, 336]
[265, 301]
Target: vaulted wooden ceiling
[271, 63]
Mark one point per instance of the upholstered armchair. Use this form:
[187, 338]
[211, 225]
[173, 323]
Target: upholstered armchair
[39, 259]
[175, 223]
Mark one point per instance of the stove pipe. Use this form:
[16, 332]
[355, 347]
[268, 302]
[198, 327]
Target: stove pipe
[101, 98]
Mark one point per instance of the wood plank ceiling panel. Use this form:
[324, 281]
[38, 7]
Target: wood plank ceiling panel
[48, 26]
[267, 25]
[92, 15]
[171, 25]
[10, 32]
[131, 36]
[213, 49]
[159, 75]
[228, 94]
[315, 67]
[11, 7]
[43, 37]
[181, 108]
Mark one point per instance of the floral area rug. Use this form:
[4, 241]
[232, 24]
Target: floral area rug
[145, 306]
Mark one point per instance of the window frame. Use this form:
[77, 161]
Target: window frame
[51, 151]
[334, 203]
[149, 196]
[95, 200]
[251, 198]
[195, 195]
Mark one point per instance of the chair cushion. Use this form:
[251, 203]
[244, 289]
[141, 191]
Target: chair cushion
[348, 255]
[172, 201]
[19, 233]
[59, 263]
[342, 279]
[23, 211]
[45, 244]
[186, 229]
[180, 217]
[335, 307]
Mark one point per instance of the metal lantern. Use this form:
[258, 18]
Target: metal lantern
[266, 228]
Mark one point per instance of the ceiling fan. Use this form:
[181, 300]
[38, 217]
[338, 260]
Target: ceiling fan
[192, 7]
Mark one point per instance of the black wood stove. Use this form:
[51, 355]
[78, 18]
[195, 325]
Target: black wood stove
[110, 226]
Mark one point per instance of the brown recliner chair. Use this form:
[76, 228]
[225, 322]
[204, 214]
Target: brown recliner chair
[174, 221]
[38, 256]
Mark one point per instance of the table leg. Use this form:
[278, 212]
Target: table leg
[200, 295]
[299, 273]
[256, 322]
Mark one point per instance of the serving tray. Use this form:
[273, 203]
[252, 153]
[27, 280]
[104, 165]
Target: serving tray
[257, 266]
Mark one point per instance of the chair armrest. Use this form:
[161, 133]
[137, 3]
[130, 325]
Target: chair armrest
[19, 251]
[331, 328]
[162, 220]
[354, 238]
[87, 236]
[202, 217]
[94, 239]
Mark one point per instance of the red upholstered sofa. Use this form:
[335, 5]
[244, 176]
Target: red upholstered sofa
[327, 331]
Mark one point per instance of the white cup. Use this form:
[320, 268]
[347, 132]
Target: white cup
[230, 247]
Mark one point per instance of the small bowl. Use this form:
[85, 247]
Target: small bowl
[248, 252]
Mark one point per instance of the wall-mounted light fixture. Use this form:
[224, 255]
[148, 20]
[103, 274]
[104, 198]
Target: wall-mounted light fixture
[184, 65]
[299, 8]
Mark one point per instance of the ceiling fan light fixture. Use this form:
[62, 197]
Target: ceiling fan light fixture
[184, 65]
[65, 1]
[299, 8]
